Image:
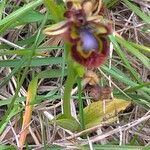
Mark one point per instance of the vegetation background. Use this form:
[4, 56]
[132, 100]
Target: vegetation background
[25, 53]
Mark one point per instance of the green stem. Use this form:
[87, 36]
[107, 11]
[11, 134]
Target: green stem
[82, 123]
[68, 87]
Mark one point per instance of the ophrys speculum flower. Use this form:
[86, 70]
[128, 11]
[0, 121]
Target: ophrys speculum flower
[86, 29]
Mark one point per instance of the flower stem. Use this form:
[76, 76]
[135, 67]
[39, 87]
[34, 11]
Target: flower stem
[68, 87]
[81, 115]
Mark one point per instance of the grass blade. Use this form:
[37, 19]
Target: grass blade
[137, 10]
[34, 62]
[10, 19]
[145, 60]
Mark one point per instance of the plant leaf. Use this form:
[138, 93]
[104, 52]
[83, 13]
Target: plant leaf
[67, 123]
[94, 113]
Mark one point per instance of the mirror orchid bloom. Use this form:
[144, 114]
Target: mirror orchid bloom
[86, 28]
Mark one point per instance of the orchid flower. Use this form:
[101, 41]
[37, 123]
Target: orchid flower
[86, 29]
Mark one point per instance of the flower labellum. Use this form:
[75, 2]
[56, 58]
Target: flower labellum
[90, 58]
[89, 42]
